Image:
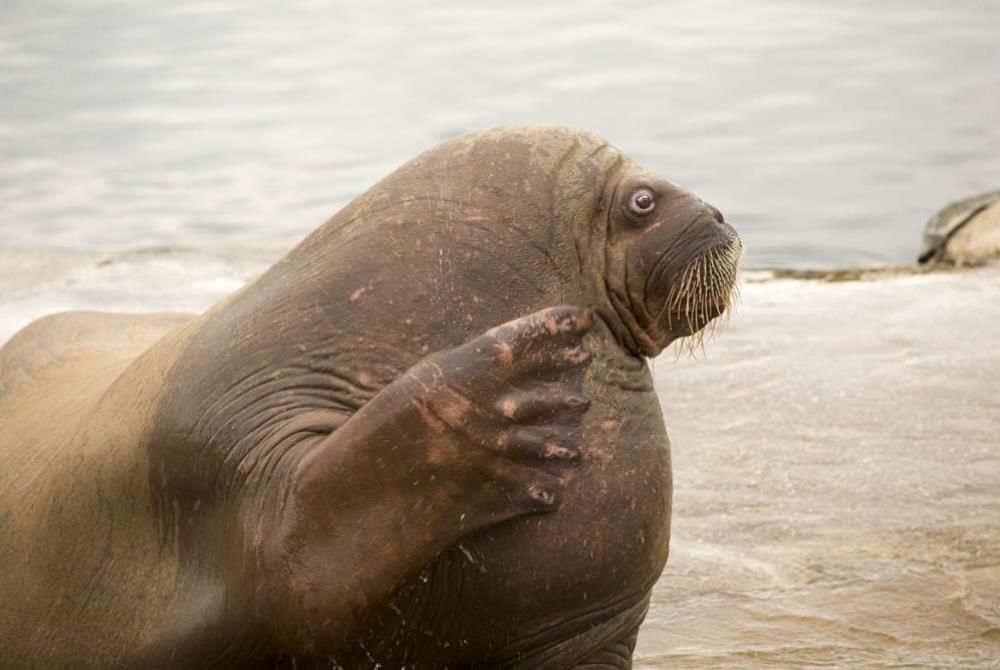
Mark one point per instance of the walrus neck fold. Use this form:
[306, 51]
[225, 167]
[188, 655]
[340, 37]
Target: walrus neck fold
[611, 302]
[624, 326]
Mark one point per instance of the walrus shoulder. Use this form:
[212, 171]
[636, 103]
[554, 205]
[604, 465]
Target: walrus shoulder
[60, 338]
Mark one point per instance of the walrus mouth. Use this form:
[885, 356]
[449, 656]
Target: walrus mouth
[707, 289]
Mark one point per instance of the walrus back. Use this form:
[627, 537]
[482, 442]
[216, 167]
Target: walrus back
[53, 374]
[63, 338]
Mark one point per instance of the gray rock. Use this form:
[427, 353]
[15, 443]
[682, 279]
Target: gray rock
[966, 232]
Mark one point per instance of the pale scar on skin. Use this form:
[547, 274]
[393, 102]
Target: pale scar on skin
[506, 354]
[508, 408]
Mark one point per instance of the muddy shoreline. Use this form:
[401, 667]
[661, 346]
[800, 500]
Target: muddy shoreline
[837, 478]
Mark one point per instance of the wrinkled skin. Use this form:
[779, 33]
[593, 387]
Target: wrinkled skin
[349, 463]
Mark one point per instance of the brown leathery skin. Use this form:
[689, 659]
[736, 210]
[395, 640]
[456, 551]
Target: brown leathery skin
[83, 572]
[348, 461]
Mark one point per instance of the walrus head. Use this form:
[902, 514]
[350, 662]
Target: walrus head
[516, 218]
[671, 261]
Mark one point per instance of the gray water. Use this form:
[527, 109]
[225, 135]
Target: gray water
[827, 132]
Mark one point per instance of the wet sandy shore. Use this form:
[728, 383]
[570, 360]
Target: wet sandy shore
[837, 480]
[836, 457]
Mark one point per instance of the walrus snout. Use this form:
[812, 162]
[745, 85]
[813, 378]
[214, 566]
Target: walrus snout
[692, 260]
[708, 286]
[717, 215]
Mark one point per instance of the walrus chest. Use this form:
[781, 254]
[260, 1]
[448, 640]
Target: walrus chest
[518, 589]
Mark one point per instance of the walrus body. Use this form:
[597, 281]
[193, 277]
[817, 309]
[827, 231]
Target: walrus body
[348, 462]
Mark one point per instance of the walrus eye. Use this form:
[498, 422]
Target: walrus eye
[643, 202]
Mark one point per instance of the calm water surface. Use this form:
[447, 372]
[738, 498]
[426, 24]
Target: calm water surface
[827, 132]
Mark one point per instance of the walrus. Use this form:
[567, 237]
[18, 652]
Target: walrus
[426, 437]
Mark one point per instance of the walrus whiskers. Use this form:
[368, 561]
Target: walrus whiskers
[709, 282]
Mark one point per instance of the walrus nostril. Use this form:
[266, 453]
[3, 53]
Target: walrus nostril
[716, 213]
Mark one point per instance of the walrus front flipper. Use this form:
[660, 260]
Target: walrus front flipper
[467, 438]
